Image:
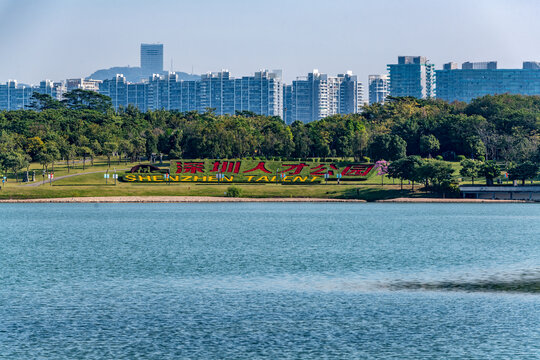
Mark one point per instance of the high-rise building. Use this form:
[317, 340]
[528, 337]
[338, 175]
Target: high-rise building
[378, 88]
[317, 96]
[84, 84]
[54, 89]
[216, 92]
[152, 58]
[136, 94]
[309, 97]
[412, 76]
[287, 104]
[345, 94]
[261, 93]
[472, 81]
[117, 90]
[14, 96]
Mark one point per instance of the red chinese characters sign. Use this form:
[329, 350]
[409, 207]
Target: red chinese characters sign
[268, 171]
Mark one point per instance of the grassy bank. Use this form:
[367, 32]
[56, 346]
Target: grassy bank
[87, 184]
[89, 187]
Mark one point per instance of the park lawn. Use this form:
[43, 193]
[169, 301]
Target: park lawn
[87, 185]
[67, 189]
[60, 168]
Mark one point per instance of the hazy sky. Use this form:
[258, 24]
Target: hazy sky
[59, 39]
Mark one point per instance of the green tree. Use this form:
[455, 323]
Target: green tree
[151, 144]
[474, 147]
[109, 148]
[175, 145]
[69, 152]
[125, 148]
[387, 147]
[34, 146]
[523, 171]
[406, 169]
[436, 171]
[47, 155]
[96, 150]
[429, 144]
[85, 152]
[470, 168]
[15, 161]
[44, 101]
[490, 170]
[138, 147]
[301, 139]
[79, 99]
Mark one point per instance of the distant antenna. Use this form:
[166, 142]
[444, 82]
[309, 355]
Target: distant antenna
[191, 69]
[172, 66]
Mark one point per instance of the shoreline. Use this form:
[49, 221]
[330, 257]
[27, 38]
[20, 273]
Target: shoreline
[171, 199]
[450, 200]
[211, 199]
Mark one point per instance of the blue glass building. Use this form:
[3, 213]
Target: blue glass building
[478, 79]
[412, 76]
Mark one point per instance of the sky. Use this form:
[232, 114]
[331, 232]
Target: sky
[59, 39]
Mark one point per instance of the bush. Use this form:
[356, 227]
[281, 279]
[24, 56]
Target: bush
[482, 158]
[439, 157]
[460, 158]
[233, 191]
[366, 159]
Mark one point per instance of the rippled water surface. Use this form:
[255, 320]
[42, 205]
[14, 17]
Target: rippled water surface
[270, 280]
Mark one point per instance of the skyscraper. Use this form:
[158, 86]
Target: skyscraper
[318, 95]
[117, 90]
[412, 76]
[287, 104]
[378, 88]
[478, 79]
[152, 58]
[344, 94]
[54, 89]
[261, 93]
[14, 96]
[216, 92]
[84, 84]
[309, 99]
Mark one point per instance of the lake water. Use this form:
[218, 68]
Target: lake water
[269, 280]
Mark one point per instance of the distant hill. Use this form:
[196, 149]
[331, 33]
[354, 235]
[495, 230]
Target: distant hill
[133, 74]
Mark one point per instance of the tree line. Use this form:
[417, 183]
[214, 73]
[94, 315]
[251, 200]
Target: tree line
[503, 128]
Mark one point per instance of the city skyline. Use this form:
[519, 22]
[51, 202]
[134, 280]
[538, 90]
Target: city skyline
[60, 39]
